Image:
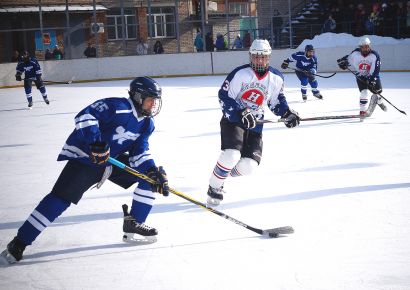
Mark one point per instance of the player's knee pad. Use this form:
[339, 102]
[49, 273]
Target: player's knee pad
[229, 157]
[245, 166]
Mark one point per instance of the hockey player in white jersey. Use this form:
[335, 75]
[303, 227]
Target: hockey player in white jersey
[365, 63]
[117, 127]
[243, 95]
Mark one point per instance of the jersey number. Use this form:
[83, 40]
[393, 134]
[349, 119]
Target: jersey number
[99, 106]
[225, 86]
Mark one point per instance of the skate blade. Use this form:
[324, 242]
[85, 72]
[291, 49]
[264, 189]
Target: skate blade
[213, 201]
[138, 239]
[6, 259]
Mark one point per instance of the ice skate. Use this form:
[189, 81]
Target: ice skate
[304, 97]
[215, 196]
[363, 115]
[381, 104]
[46, 101]
[13, 253]
[30, 105]
[135, 232]
[318, 95]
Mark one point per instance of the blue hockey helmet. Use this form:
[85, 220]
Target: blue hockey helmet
[309, 47]
[142, 88]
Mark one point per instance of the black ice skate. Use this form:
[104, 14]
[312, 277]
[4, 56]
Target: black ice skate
[215, 196]
[135, 232]
[304, 97]
[13, 253]
[318, 95]
[30, 104]
[46, 100]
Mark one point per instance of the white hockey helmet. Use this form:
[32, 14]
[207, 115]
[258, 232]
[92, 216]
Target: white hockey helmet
[364, 45]
[364, 41]
[259, 54]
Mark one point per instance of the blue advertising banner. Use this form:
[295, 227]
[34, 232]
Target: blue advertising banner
[47, 40]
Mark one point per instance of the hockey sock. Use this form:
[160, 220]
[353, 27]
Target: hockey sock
[223, 167]
[303, 89]
[43, 91]
[363, 100]
[42, 216]
[245, 166]
[142, 202]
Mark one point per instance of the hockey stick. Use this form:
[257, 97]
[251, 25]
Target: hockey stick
[272, 233]
[356, 75]
[309, 73]
[57, 82]
[312, 118]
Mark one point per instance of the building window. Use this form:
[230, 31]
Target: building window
[162, 21]
[238, 8]
[116, 22]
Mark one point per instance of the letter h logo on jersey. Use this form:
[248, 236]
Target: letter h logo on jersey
[252, 99]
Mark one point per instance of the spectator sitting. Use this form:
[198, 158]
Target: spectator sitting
[158, 49]
[237, 44]
[57, 53]
[90, 51]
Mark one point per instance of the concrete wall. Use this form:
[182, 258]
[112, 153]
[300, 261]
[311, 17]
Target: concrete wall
[393, 57]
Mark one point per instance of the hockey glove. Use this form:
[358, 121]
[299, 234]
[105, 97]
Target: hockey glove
[99, 152]
[291, 118]
[312, 71]
[285, 64]
[159, 175]
[343, 63]
[18, 77]
[247, 118]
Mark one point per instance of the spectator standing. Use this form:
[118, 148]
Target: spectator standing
[247, 40]
[142, 46]
[237, 44]
[48, 54]
[360, 19]
[90, 51]
[57, 53]
[209, 42]
[277, 23]
[158, 48]
[16, 56]
[329, 25]
[199, 43]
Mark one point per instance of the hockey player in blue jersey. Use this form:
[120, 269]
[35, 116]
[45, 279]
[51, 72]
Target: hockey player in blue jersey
[366, 64]
[32, 73]
[117, 127]
[306, 65]
[243, 96]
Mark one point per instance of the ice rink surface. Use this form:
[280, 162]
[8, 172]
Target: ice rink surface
[343, 185]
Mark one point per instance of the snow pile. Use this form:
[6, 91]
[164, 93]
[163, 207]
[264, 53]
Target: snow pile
[329, 39]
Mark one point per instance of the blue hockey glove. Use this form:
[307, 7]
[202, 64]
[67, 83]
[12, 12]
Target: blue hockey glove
[291, 118]
[285, 64]
[247, 118]
[99, 152]
[18, 77]
[159, 175]
[312, 71]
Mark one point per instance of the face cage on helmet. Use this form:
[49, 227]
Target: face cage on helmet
[139, 99]
[260, 68]
[364, 49]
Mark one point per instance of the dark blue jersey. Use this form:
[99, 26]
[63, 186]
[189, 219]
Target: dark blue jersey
[303, 62]
[30, 69]
[115, 121]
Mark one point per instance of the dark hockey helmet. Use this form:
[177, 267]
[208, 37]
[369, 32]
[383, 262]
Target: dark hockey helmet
[142, 88]
[309, 50]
